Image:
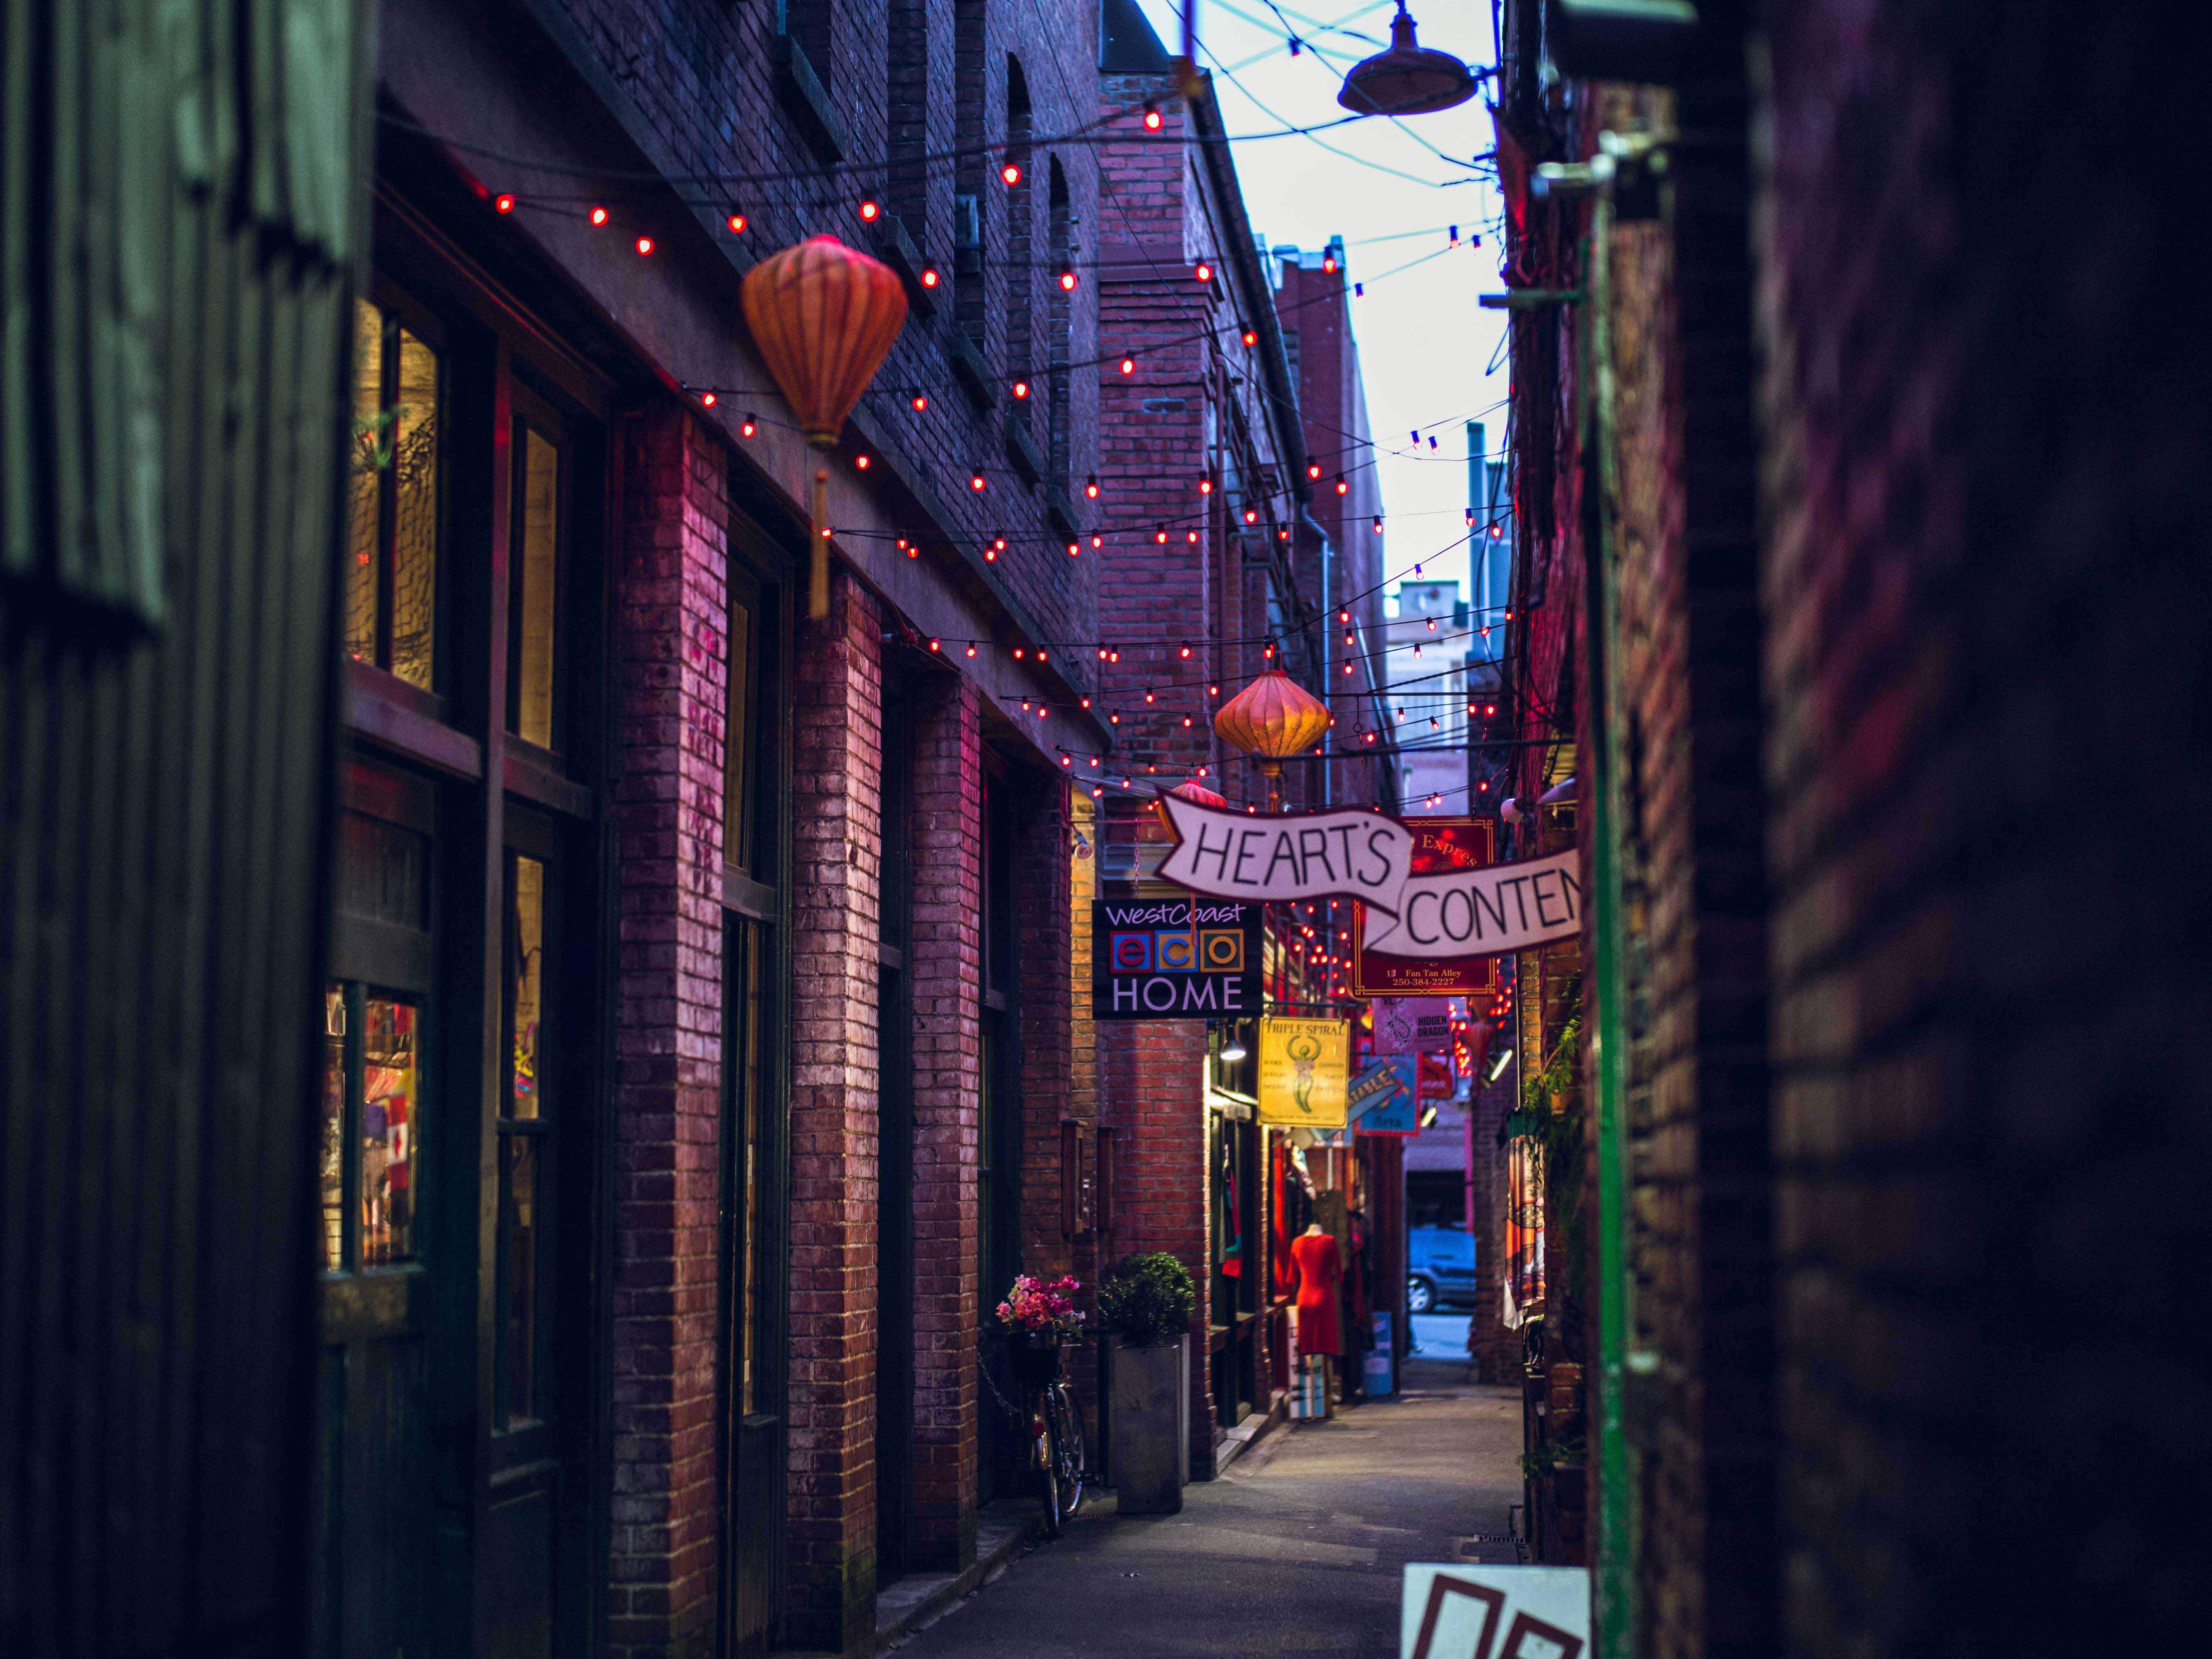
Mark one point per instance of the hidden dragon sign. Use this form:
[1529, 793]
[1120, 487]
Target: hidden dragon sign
[1364, 854]
[1174, 959]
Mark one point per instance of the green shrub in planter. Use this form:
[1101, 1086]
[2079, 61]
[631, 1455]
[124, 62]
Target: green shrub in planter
[1147, 1298]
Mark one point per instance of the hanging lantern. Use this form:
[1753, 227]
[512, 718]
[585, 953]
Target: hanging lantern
[1408, 79]
[823, 316]
[1194, 790]
[1273, 717]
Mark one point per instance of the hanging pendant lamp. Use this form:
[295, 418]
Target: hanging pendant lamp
[1408, 79]
[823, 316]
[1272, 718]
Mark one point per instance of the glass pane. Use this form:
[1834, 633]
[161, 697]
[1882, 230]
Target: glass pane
[364, 533]
[749, 1108]
[518, 1267]
[415, 510]
[527, 966]
[390, 1073]
[736, 740]
[534, 553]
[330, 1142]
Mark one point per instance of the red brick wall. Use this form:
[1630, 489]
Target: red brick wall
[944, 966]
[700, 73]
[669, 670]
[1986, 661]
[834, 938]
[1154, 1074]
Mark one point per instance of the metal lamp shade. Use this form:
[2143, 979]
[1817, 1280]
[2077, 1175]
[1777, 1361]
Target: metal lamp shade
[823, 316]
[1408, 79]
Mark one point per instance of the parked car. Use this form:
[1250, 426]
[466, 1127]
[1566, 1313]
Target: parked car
[1439, 1269]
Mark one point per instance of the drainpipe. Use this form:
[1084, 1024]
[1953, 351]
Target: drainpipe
[1613, 1582]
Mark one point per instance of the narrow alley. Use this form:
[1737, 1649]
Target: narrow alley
[1300, 1547]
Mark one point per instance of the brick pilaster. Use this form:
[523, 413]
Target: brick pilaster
[669, 665]
[837, 829]
[945, 965]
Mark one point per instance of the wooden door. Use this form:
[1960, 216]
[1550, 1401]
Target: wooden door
[755, 1081]
[380, 1022]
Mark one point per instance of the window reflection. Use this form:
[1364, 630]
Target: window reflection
[365, 534]
[528, 956]
[388, 1081]
[330, 1139]
[415, 510]
[517, 1249]
[537, 547]
[392, 548]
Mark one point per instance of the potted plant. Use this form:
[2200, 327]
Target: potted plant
[1144, 1303]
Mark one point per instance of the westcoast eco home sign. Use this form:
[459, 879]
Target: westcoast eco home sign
[1174, 959]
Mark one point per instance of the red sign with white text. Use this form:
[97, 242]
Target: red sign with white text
[1440, 846]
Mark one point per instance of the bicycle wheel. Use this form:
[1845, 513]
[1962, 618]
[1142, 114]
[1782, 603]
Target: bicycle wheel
[1049, 1433]
[1069, 1438]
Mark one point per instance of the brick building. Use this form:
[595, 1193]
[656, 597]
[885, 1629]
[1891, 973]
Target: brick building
[1203, 444]
[1843, 1346]
[701, 1048]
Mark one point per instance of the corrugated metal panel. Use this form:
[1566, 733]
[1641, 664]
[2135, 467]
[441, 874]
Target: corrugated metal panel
[171, 434]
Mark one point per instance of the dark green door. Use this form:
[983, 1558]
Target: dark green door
[378, 1016]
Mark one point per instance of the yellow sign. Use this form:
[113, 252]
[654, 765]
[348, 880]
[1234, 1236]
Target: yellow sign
[1305, 1066]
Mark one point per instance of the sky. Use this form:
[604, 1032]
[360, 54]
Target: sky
[1426, 346]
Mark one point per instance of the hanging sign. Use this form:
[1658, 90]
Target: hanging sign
[1382, 1098]
[1442, 847]
[1305, 1072]
[1453, 1610]
[1177, 958]
[1413, 1025]
[1455, 913]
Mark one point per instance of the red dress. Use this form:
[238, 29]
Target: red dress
[1320, 1330]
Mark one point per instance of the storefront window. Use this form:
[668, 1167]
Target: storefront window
[392, 557]
[536, 565]
[525, 1149]
[389, 1071]
[371, 1075]
[331, 1141]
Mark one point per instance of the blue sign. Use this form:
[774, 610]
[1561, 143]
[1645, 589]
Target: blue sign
[1382, 1098]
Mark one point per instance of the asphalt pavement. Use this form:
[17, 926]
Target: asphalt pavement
[1298, 1548]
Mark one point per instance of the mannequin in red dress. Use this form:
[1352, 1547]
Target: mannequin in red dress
[1320, 1270]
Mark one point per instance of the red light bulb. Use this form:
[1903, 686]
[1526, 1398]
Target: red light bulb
[502, 204]
[599, 215]
[737, 224]
[644, 246]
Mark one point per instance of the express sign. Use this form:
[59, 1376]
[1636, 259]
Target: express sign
[1178, 958]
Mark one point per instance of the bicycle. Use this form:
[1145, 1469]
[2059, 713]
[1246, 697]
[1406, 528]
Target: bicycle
[1054, 1420]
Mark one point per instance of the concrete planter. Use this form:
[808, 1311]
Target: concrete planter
[1151, 1408]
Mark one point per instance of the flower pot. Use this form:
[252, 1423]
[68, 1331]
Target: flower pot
[1151, 1407]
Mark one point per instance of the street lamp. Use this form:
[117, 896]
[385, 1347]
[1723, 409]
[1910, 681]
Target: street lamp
[1408, 79]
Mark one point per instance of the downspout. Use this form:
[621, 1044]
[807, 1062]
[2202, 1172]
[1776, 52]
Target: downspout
[1612, 1592]
[1613, 1582]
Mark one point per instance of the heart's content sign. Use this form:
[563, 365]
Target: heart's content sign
[1179, 958]
[1305, 1070]
[1261, 858]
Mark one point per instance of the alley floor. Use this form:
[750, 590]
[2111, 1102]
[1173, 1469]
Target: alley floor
[1298, 1548]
